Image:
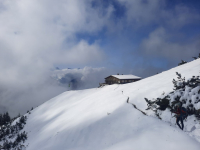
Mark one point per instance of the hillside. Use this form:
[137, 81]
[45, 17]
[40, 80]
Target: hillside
[101, 118]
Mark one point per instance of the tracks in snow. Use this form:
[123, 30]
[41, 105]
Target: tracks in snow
[135, 106]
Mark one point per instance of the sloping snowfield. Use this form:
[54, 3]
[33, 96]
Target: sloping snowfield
[101, 118]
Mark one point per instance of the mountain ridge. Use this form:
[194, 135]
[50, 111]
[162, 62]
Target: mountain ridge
[101, 119]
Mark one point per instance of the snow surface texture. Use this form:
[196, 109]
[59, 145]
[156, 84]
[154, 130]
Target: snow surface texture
[101, 119]
[130, 76]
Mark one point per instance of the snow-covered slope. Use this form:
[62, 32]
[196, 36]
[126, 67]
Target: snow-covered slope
[101, 118]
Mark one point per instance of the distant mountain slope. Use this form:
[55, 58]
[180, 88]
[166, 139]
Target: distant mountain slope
[101, 118]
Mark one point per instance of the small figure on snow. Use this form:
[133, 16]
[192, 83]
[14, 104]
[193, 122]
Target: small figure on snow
[181, 114]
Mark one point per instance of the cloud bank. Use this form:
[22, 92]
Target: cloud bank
[37, 35]
[76, 79]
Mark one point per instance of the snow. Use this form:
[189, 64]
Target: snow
[130, 76]
[101, 118]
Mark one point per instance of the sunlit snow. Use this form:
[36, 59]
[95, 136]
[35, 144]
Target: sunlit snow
[101, 118]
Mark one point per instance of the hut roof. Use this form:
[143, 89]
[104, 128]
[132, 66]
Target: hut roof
[130, 76]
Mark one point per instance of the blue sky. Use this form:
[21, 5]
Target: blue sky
[122, 41]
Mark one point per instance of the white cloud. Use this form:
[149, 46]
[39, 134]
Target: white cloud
[180, 16]
[146, 12]
[84, 53]
[34, 28]
[141, 12]
[87, 77]
[160, 43]
[38, 34]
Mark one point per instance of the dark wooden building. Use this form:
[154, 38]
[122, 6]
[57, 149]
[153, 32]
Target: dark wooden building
[121, 79]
